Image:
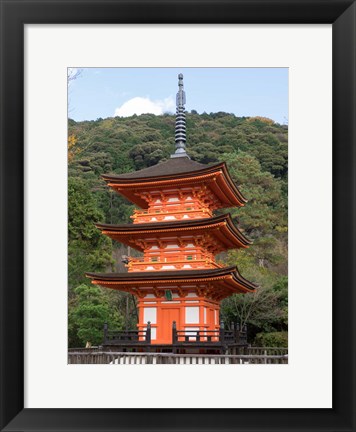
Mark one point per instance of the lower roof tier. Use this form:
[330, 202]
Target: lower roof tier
[211, 283]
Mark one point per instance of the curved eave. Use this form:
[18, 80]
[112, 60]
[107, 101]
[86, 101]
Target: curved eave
[232, 185]
[237, 233]
[222, 184]
[241, 281]
[228, 277]
[125, 233]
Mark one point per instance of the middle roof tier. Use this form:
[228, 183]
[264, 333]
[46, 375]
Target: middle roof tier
[215, 234]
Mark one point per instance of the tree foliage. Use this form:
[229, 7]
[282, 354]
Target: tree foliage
[89, 312]
[88, 250]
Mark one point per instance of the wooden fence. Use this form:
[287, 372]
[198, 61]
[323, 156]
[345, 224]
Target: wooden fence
[106, 357]
[266, 351]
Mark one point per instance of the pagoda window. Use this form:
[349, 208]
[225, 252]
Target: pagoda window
[189, 257]
[192, 315]
[154, 258]
[150, 314]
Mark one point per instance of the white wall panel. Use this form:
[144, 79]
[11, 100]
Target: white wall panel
[150, 314]
[192, 315]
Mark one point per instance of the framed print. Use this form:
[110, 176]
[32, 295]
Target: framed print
[211, 43]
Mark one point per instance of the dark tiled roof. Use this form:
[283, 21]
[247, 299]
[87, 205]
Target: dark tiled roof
[181, 274]
[172, 225]
[169, 275]
[171, 167]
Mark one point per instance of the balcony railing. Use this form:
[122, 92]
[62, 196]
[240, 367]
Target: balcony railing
[206, 337]
[128, 337]
[195, 261]
[178, 213]
[228, 337]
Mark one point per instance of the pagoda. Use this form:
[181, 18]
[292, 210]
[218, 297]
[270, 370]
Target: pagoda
[177, 281]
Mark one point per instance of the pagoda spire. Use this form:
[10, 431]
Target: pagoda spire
[180, 132]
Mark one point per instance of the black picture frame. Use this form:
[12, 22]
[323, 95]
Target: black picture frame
[14, 15]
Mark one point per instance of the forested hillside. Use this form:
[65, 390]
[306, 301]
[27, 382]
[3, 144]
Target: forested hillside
[255, 150]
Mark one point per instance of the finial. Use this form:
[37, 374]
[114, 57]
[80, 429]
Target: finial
[180, 133]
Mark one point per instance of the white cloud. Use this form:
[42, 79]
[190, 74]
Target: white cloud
[140, 105]
[72, 71]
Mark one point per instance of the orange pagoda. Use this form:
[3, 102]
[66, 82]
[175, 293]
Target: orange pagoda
[177, 281]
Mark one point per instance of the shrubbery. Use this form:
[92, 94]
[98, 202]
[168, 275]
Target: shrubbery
[276, 339]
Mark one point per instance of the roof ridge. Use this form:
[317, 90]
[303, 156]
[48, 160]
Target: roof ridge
[182, 163]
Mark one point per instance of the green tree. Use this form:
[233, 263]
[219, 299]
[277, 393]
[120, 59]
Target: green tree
[148, 154]
[266, 210]
[88, 249]
[88, 315]
[259, 309]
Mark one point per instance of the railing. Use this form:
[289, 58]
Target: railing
[266, 351]
[193, 259]
[222, 336]
[177, 212]
[113, 337]
[194, 336]
[119, 358]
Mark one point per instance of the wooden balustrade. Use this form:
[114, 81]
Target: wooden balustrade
[178, 213]
[257, 351]
[120, 358]
[193, 259]
[232, 341]
[222, 336]
[234, 337]
[118, 337]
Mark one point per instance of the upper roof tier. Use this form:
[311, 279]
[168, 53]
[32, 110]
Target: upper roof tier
[179, 173]
[171, 167]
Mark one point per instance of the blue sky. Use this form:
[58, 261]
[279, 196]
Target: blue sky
[106, 92]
